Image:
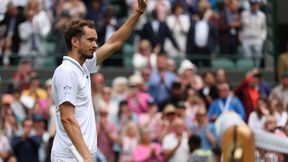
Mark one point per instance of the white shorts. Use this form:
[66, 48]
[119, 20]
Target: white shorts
[55, 158]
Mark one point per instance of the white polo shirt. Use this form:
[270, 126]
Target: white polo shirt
[170, 141]
[71, 83]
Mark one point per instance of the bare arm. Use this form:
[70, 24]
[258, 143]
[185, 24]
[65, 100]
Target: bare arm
[73, 130]
[121, 35]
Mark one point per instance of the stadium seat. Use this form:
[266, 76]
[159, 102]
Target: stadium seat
[223, 63]
[244, 63]
[50, 48]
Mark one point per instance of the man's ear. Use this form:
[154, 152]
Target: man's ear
[75, 42]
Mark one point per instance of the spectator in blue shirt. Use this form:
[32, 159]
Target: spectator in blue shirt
[226, 102]
[204, 129]
[160, 82]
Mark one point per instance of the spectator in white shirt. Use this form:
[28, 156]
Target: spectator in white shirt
[254, 31]
[175, 145]
[257, 118]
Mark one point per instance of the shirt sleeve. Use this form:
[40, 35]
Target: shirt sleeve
[66, 86]
[91, 64]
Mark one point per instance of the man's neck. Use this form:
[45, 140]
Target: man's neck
[76, 56]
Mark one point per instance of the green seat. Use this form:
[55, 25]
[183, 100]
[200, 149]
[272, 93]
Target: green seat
[49, 62]
[223, 63]
[128, 52]
[50, 48]
[244, 64]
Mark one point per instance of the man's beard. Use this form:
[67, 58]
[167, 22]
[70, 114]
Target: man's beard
[84, 54]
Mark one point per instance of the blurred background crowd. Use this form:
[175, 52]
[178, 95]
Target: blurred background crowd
[167, 108]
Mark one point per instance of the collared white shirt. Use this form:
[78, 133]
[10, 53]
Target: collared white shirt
[170, 141]
[71, 83]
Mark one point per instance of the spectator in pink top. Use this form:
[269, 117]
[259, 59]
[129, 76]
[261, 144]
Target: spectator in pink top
[146, 150]
[106, 134]
[137, 100]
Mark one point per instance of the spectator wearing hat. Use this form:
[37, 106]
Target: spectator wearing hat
[187, 73]
[137, 100]
[281, 91]
[253, 32]
[168, 117]
[160, 82]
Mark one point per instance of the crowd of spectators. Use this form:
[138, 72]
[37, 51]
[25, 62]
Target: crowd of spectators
[160, 113]
[180, 28]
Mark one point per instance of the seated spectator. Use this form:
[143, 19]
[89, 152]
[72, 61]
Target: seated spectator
[226, 102]
[192, 103]
[25, 147]
[175, 145]
[137, 100]
[98, 84]
[151, 119]
[257, 117]
[202, 38]
[209, 91]
[253, 32]
[5, 147]
[75, 8]
[277, 109]
[281, 90]
[221, 76]
[188, 75]
[35, 91]
[33, 31]
[249, 93]
[118, 94]
[96, 11]
[17, 107]
[171, 65]
[144, 58]
[124, 116]
[270, 125]
[229, 26]
[282, 63]
[8, 121]
[197, 153]
[146, 150]
[176, 94]
[129, 141]
[204, 129]
[106, 134]
[178, 23]
[21, 77]
[160, 82]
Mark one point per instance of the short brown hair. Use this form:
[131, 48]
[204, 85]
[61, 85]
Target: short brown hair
[75, 29]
